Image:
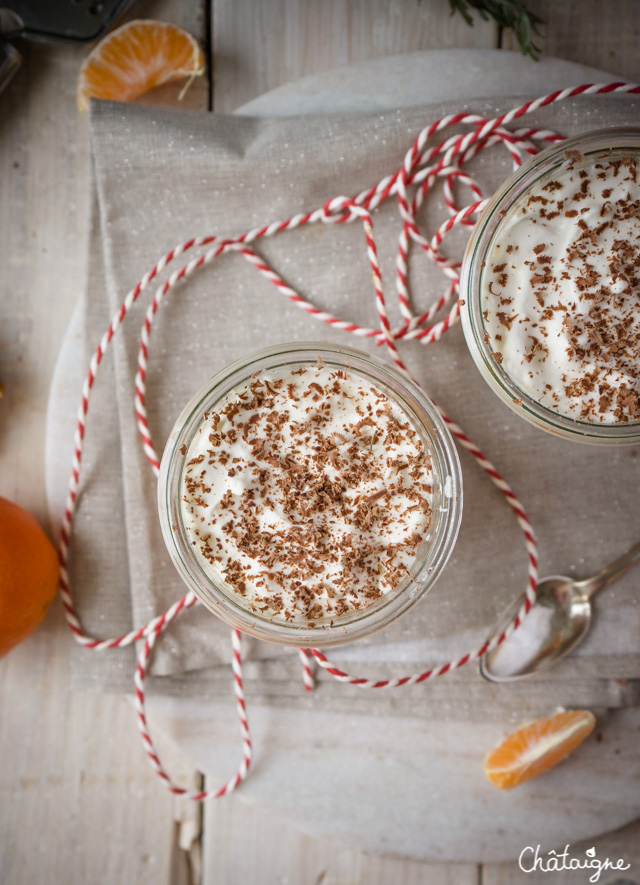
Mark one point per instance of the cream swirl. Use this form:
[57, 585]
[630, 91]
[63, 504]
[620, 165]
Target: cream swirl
[307, 492]
[561, 290]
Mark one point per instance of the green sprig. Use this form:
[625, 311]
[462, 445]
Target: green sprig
[511, 15]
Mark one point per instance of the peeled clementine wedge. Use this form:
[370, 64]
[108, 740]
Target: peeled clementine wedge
[537, 747]
[136, 57]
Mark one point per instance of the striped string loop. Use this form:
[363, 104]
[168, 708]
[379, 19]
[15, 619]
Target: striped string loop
[423, 166]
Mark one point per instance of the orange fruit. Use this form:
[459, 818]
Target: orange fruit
[136, 57]
[537, 747]
[28, 574]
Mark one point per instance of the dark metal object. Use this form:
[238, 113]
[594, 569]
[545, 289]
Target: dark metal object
[52, 21]
[60, 21]
[9, 62]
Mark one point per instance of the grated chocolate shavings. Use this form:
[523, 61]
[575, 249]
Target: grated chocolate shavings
[579, 289]
[309, 492]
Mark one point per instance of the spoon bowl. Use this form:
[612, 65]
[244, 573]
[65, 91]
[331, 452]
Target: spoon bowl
[556, 624]
[558, 621]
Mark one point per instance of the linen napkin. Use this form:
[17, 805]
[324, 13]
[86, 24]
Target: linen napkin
[163, 176]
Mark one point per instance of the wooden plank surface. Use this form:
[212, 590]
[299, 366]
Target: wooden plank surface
[259, 46]
[78, 800]
[244, 844]
[603, 35]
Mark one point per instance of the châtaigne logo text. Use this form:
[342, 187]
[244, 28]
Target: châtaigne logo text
[532, 860]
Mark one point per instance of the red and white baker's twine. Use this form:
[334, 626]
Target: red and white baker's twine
[421, 169]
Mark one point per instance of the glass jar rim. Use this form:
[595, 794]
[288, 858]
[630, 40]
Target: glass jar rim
[424, 416]
[621, 138]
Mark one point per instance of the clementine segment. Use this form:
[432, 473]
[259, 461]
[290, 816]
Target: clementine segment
[537, 747]
[136, 57]
[28, 574]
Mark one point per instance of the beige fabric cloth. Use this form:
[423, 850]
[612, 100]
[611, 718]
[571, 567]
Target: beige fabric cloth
[164, 176]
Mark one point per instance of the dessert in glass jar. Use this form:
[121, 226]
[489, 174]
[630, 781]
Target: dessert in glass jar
[310, 494]
[550, 289]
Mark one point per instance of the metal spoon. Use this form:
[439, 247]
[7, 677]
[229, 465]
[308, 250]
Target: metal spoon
[558, 621]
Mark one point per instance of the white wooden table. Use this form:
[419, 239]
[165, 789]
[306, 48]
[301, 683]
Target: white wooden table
[78, 801]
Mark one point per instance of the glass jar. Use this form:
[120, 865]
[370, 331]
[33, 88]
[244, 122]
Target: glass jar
[431, 555]
[497, 215]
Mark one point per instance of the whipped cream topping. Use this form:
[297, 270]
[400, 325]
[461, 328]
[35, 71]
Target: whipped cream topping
[307, 492]
[560, 292]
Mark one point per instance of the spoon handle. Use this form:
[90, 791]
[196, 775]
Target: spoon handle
[610, 572]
